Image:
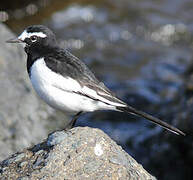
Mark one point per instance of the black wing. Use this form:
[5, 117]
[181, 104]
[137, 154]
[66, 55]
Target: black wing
[70, 66]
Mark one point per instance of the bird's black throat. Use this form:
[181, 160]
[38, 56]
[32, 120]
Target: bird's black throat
[35, 53]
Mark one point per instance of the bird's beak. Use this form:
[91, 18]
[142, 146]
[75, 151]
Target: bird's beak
[14, 40]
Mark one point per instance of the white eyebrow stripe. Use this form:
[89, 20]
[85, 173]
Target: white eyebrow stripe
[26, 34]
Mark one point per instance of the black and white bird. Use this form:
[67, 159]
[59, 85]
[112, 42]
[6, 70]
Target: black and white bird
[64, 82]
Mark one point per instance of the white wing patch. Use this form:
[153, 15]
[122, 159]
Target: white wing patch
[93, 94]
[26, 34]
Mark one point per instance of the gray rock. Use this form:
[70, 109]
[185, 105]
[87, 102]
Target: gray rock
[22, 115]
[56, 138]
[81, 153]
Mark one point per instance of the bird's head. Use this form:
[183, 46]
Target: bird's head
[35, 38]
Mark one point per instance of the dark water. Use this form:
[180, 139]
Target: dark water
[142, 50]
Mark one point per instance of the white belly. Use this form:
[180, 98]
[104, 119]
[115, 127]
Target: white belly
[56, 91]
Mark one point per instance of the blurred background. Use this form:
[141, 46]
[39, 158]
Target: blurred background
[142, 50]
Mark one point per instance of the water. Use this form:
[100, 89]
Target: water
[140, 50]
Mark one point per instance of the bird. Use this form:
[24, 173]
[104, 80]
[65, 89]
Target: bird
[66, 83]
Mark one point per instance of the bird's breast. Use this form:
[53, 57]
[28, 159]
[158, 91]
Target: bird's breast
[54, 89]
[41, 80]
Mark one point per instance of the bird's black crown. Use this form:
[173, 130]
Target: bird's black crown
[38, 38]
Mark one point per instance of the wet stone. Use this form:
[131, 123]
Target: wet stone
[64, 161]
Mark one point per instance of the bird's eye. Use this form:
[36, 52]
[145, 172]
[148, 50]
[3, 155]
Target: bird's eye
[33, 38]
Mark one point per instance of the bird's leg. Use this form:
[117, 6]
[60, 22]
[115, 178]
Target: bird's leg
[73, 121]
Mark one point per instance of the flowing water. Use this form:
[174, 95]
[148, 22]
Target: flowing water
[140, 50]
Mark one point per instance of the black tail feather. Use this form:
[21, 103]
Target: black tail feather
[155, 120]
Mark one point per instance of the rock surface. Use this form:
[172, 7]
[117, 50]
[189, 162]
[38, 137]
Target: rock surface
[81, 153]
[22, 115]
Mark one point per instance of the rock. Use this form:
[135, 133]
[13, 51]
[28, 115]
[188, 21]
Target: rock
[81, 153]
[22, 115]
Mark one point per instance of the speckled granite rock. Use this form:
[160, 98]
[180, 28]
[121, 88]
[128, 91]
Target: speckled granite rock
[81, 153]
[22, 115]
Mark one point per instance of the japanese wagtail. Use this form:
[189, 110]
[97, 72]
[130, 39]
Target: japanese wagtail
[65, 83]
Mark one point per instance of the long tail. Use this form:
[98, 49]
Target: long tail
[155, 120]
